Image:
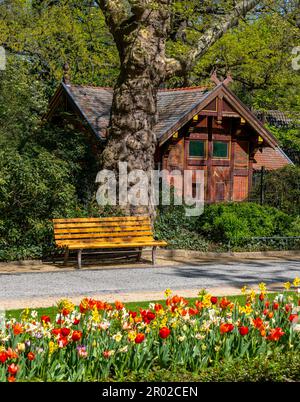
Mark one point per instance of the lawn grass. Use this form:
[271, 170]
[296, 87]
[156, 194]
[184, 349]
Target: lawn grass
[133, 306]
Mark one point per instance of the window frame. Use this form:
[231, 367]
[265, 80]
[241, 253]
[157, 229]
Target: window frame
[228, 143]
[205, 147]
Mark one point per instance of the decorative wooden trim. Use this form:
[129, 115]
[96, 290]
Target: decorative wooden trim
[209, 161]
[221, 162]
[231, 170]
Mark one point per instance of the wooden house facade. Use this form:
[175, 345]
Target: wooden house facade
[198, 129]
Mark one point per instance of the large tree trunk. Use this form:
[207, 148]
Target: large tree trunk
[131, 137]
[140, 29]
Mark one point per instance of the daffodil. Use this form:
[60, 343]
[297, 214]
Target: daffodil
[118, 337]
[95, 314]
[296, 282]
[287, 285]
[262, 287]
[131, 336]
[168, 293]
[244, 290]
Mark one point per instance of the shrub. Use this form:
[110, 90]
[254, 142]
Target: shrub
[33, 189]
[237, 222]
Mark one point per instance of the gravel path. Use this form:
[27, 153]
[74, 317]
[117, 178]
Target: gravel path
[229, 274]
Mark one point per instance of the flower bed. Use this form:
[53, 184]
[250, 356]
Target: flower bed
[97, 341]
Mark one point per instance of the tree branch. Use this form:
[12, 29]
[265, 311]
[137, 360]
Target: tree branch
[211, 35]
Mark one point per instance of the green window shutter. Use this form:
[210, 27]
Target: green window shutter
[197, 148]
[220, 149]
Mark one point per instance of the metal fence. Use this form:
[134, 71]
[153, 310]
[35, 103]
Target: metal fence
[267, 244]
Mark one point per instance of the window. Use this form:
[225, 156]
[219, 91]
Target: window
[220, 149]
[197, 149]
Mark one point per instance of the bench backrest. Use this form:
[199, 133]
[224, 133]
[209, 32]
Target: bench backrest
[102, 230]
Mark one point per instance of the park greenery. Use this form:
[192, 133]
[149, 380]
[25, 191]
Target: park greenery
[48, 172]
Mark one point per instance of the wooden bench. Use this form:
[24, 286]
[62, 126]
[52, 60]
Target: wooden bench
[131, 232]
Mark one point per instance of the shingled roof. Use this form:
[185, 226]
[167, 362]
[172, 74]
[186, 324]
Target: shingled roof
[271, 159]
[95, 105]
[278, 118]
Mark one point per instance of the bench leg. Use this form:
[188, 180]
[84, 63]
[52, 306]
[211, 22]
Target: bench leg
[139, 255]
[66, 257]
[154, 256]
[79, 258]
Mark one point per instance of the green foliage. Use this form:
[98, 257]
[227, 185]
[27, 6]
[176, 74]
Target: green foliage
[282, 190]
[258, 54]
[52, 33]
[237, 222]
[34, 188]
[178, 230]
[45, 171]
[277, 367]
[289, 140]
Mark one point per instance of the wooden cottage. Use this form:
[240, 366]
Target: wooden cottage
[198, 129]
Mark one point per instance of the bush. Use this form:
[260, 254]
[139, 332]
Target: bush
[32, 191]
[237, 222]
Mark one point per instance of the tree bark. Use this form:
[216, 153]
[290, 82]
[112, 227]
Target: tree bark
[141, 43]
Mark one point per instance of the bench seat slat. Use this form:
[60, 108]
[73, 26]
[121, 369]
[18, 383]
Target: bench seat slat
[122, 225]
[104, 219]
[116, 245]
[107, 240]
[100, 240]
[102, 235]
[103, 229]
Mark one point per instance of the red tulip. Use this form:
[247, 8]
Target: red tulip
[139, 338]
[31, 356]
[76, 336]
[133, 314]
[12, 369]
[17, 329]
[65, 332]
[243, 331]
[193, 311]
[275, 306]
[293, 317]
[214, 300]
[150, 315]
[56, 331]
[261, 297]
[225, 327]
[287, 308]
[164, 332]
[275, 334]
[3, 357]
[45, 319]
[76, 321]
